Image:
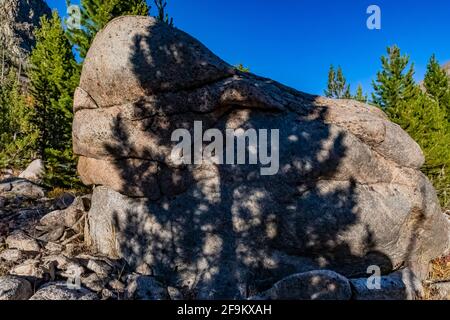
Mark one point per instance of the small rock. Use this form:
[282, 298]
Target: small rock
[61, 291]
[100, 267]
[54, 234]
[314, 285]
[145, 288]
[61, 262]
[34, 172]
[69, 216]
[11, 255]
[64, 201]
[53, 247]
[15, 288]
[117, 285]
[93, 282]
[401, 285]
[175, 294]
[144, 269]
[108, 294]
[2, 202]
[22, 188]
[21, 241]
[73, 271]
[29, 268]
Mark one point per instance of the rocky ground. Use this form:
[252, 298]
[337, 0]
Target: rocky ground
[44, 255]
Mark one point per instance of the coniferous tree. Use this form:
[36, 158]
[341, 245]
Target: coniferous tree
[53, 78]
[18, 134]
[331, 85]
[95, 14]
[337, 87]
[394, 85]
[162, 15]
[360, 95]
[437, 83]
[242, 68]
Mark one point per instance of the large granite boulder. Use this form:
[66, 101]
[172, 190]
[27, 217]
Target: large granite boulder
[348, 194]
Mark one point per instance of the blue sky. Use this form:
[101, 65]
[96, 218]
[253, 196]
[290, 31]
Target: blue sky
[295, 41]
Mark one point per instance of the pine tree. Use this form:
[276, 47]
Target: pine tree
[54, 77]
[162, 15]
[437, 83]
[337, 85]
[18, 134]
[426, 122]
[242, 68]
[331, 86]
[95, 14]
[360, 95]
[393, 84]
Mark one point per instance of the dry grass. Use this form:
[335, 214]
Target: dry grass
[440, 272]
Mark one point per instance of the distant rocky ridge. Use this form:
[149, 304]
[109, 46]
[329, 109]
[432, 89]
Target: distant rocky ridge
[18, 19]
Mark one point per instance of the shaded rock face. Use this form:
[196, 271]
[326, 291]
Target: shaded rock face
[349, 193]
[18, 18]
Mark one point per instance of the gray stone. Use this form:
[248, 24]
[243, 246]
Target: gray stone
[314, 285]
[145, 288]
[100, 267]
[117, 285]
[11, 255]
[142, 40]
[21, 241]
[175, 293]
[64, 201]
[401, 285]
[53, 247]
[21, 187]
[29, 268]
[14, 288]
[69, 216]
[94, 282]
[60, 291]
[349, 192]
[34, 172]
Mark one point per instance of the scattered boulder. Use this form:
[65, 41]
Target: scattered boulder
[21, 241]
[348, 194]
[401, 285]
[145, 288]
[15, 288]
[21, 187]
[314, 285]
[61, 291]
[34, 172]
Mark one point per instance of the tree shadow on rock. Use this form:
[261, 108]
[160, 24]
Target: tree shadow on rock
[226, 231]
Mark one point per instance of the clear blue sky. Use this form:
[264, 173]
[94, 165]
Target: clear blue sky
[295, 41]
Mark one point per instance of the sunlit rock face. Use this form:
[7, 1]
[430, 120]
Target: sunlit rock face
[348, 193]
[18, 20]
